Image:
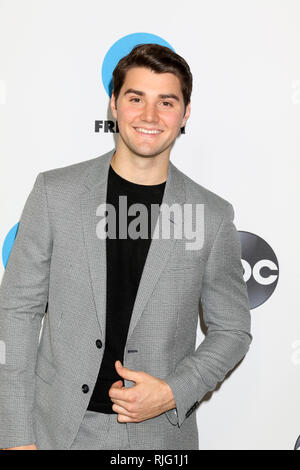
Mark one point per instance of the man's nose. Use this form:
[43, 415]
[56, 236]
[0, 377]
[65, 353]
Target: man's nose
[150, 113]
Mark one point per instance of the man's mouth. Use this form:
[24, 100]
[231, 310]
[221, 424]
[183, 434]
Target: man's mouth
[142, 130]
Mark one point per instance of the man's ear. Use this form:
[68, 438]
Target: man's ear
[113, 105]
[186, 115]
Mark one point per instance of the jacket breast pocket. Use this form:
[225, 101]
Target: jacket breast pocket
[44, 369]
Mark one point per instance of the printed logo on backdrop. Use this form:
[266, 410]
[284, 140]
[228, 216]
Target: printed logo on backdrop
[8, 243]
[297, 445]
[261, 268]
[120, 49]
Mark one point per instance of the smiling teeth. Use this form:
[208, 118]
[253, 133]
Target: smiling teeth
[144, 131]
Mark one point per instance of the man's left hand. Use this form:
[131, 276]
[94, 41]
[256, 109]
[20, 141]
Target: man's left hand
[149, 397]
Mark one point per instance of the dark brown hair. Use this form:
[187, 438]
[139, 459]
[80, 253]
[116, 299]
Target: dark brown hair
[158, 58]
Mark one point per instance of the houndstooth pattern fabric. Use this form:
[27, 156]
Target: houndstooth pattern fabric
[54, 288]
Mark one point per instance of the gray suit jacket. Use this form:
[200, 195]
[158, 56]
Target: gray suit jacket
[58, 266]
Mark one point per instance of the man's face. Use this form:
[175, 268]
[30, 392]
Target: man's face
[149, 101]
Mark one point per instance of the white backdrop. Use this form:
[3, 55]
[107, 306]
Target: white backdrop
[241, 141]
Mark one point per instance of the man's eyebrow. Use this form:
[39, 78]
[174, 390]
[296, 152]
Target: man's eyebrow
[141, 93]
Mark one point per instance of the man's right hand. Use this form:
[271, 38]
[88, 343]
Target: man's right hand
[28, 447]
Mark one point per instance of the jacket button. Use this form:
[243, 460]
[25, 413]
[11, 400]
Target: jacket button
[85, 388]
[99, 343]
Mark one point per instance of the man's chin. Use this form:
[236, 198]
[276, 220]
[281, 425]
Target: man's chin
[147, 153]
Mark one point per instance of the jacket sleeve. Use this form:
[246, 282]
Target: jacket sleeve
[23, 299]
[226, 314]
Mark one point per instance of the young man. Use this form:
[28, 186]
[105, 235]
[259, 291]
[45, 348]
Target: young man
[116, 365]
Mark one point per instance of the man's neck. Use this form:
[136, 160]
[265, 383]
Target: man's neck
[140, 170]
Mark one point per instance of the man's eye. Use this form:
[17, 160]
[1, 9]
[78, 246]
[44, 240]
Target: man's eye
[164, 102]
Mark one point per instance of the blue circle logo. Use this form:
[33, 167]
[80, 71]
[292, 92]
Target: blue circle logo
[120, 49]
[8, 243]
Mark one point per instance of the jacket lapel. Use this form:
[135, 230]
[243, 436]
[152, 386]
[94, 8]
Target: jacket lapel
[160, 248]
[93, 194]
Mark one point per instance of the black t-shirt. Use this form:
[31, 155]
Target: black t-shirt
[125, 262]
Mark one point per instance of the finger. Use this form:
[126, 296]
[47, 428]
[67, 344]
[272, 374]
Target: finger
[120, 410]
[120, 393]
[120, 402]
[128, 374]
[127, 419]
[118, 384]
